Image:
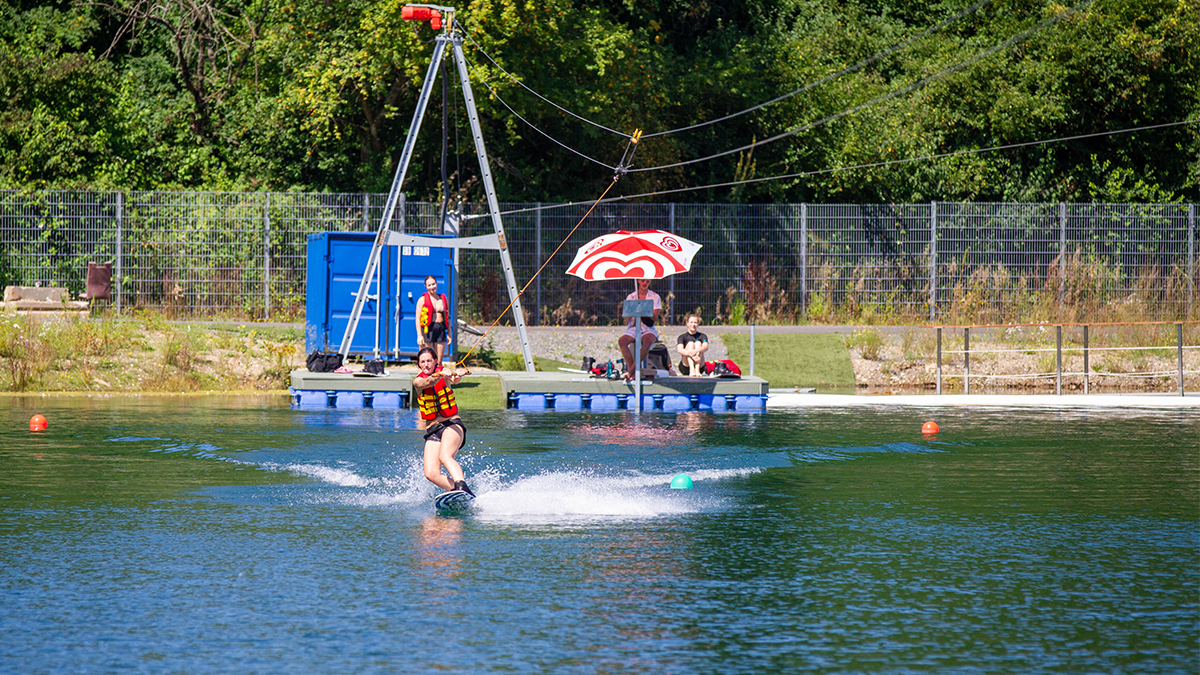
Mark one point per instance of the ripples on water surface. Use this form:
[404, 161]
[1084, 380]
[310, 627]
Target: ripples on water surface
[206, 535]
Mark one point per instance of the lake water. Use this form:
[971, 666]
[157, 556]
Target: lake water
[234, 535]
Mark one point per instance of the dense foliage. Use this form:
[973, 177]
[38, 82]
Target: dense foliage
[317, 95]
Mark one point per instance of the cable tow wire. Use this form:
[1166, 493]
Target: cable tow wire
[845, 71]
[630, 148]
[833, 76]
[526, 88]
[872, 165]
[548, 136]
[909, 88]
[956, 153]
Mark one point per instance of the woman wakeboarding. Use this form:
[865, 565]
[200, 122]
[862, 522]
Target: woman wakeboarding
[444, 430]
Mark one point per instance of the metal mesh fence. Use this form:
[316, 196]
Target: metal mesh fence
[244, 255]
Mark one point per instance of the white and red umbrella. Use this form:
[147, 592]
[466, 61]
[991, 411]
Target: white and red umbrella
[645, 254]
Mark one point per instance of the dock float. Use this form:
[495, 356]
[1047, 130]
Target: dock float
[568, 391]
[345, 390]
[537, 391]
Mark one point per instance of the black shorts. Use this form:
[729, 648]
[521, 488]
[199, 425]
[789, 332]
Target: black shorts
[434, 433]
[436, 333]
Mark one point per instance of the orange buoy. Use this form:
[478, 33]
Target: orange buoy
[929, 427]
[37, 423]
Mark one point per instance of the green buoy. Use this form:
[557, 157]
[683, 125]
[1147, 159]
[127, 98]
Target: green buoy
[681, 481]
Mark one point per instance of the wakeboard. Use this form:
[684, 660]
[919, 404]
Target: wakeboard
[454, 501]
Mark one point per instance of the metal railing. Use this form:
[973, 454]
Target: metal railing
[1082, 352]
[244, 255]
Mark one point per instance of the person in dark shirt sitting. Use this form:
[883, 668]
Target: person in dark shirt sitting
[691, 347]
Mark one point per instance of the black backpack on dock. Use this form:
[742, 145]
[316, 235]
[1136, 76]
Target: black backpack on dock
[320, 362]
[659, 357]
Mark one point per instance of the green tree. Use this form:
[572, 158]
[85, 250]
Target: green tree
[318, 95]
[57, 119]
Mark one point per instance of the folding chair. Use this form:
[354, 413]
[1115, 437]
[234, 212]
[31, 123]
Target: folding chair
[99, 283]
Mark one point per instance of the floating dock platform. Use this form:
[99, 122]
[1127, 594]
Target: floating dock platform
[347, 390]
[538, 391]
[567, 391]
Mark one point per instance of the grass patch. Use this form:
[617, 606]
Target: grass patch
[483, 392]
[479, 393]
[271, 333]
[867, 340]
[143, 354]
[794, 360]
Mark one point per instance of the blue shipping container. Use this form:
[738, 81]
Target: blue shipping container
[336, 262]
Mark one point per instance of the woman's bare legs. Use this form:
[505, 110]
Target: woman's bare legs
[439, 454]
[626, 344]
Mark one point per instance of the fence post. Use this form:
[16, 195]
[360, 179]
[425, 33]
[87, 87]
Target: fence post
[1086, 368]
[537, 242]
[1058, 360]
[1192, 256]
[932, 260]
[120, 233]
[267, 259]
[804, 258]
[967, 360]
[751, 349]
[1179, 340]
[1062, 252]
[939, 361]
[366, 212]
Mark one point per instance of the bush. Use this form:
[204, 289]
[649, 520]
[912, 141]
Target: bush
[867, 341]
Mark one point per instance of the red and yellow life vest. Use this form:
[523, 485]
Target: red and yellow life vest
[437, 399]
[426, 314]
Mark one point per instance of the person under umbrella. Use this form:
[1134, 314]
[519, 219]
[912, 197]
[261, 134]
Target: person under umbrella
[641, 255]
[649, 333]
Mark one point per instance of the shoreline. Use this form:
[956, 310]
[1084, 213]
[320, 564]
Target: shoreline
[227, 359]
[782, 400]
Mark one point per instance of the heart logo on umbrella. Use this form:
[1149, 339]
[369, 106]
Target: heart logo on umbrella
[646, 254]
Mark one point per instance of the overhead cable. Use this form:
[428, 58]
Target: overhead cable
[890, 162]
[828, 78]
[872, 165]
[909, 88]
[833, 76]
[526, 88]
[548, 136]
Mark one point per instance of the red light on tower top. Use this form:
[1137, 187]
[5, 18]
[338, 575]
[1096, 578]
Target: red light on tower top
[424, 13]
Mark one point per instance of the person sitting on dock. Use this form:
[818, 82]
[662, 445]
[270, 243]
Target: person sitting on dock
[445, 434]
[433, 319]
[691, 347]
[649, 334]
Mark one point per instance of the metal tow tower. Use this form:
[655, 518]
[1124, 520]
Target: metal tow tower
[452, 37]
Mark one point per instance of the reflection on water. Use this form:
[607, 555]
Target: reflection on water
[188, 534]
[438, 544]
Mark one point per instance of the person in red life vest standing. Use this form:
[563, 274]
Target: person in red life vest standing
[445, 434]
[433, 319]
